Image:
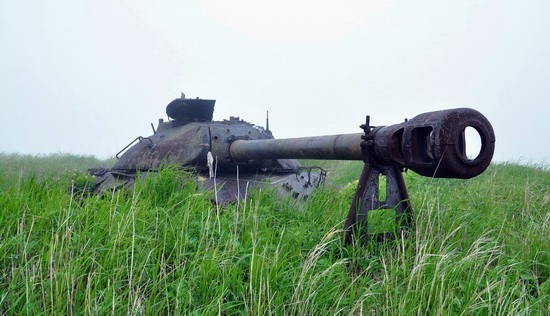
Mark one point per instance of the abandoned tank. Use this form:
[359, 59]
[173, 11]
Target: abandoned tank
[232, 156]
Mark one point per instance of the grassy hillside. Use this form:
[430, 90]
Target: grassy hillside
[479, 247]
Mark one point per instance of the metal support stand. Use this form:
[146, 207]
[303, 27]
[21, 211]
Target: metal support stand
[367, 199]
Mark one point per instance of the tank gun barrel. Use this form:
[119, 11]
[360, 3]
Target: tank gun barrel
[432, 144]
[332, 147]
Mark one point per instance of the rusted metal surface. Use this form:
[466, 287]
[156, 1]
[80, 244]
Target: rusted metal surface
[433, 145]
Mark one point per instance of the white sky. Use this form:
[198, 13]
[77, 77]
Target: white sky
[87, 77]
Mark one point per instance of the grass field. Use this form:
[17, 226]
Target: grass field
[479, 247]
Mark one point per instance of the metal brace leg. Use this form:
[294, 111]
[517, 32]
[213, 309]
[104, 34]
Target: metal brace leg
[367, 199]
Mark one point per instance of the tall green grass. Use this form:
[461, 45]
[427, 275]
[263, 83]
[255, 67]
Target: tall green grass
[16, 167]
[479, 247]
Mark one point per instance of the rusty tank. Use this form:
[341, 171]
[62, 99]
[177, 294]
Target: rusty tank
[232, 156]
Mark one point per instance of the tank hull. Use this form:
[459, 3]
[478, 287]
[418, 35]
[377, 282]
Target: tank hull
[227, 187]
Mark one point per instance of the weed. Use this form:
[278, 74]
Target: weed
[480, 246]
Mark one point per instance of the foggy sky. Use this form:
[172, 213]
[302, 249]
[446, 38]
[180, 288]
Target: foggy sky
[87, 77]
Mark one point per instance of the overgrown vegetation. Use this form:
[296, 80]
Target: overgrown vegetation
[479, 247]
